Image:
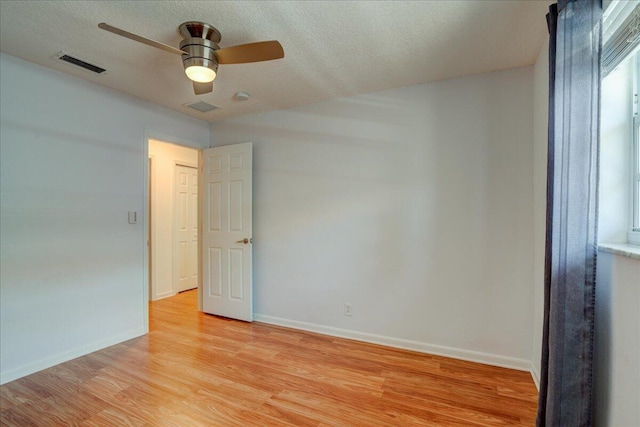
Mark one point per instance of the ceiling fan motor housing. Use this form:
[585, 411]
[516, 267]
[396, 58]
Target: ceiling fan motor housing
[200, 52]
[200, 30]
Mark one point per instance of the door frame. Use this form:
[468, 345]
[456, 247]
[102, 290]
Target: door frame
[172, 139]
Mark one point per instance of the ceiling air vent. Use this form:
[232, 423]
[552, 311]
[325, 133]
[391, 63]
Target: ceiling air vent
[201, 106]
[62, 56]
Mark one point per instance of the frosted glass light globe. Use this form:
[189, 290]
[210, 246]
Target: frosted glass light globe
[200, 74]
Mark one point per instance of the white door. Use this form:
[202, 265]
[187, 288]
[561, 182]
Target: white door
[226, 194]
[185, 241]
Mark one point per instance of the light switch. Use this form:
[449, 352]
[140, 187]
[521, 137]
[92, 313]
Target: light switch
[133, 217]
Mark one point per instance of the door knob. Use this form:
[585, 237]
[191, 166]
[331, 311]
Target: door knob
[245, 241]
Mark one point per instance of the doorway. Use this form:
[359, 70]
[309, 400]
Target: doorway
[173, 223]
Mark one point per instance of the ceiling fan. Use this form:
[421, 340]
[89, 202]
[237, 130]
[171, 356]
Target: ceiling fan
[201, 54]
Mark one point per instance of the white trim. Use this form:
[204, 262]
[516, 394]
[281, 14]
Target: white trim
[621, 249]
[145, 232]
[165, 294]
[150, 237]
[633, 236]
[200, 233]
[31, 368]
[535, 375]
[421, 347]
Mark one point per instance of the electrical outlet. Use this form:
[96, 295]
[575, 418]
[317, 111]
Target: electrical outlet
[348, 309]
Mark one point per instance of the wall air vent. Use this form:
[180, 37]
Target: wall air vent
[203, 107]
[62, 56]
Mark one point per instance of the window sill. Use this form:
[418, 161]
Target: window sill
[622, 249]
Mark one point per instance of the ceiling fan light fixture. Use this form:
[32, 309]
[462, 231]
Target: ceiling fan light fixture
[201, 70]
[199, 59]
[200, 74]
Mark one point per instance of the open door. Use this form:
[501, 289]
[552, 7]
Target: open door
[225, 206]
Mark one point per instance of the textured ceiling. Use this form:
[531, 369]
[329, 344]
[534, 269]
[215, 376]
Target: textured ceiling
[332, 49]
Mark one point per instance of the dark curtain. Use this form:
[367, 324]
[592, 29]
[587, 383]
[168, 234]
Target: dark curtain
[572, 200]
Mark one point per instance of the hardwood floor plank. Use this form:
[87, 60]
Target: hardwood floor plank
[20, 393]
[114, 417]
[194, 369]
[287, 416]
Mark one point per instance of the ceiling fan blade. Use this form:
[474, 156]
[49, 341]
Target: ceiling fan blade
[250, 52]
[202, 88]
[140, 39]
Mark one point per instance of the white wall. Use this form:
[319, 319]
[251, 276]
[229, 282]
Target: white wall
[72, 164]
[412, 204]
[617, 342]
[164, 158]
[540, 143]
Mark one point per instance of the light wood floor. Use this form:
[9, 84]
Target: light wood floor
[194, 369]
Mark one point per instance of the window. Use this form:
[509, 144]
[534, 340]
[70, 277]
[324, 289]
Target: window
[636, 178]
[634, 233]
[620, 125]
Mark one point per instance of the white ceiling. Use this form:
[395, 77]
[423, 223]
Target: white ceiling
[332, 48]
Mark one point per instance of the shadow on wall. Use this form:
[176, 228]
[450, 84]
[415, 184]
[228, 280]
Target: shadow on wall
[602, 349]
[617, 342]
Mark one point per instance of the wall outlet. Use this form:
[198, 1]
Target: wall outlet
[348, 309]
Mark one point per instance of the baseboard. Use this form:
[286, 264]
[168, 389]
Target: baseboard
[535, 375]
[163, 295]
[32, 368]
[438, 350]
